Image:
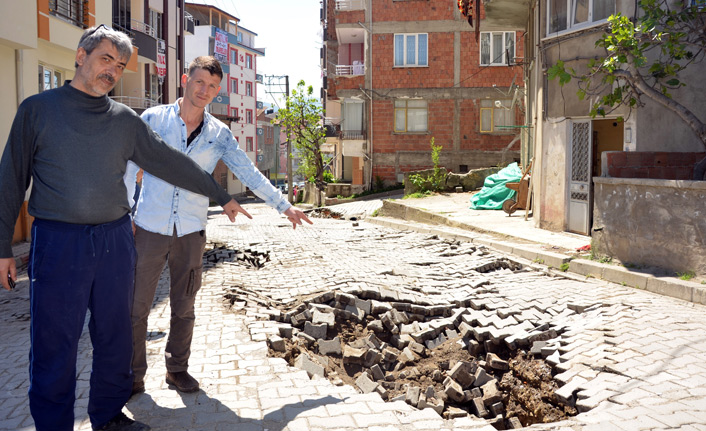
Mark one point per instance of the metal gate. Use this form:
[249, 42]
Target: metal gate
[580, 196]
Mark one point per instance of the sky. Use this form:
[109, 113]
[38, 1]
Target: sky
[289, 30]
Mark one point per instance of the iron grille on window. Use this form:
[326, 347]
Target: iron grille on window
[73, 11]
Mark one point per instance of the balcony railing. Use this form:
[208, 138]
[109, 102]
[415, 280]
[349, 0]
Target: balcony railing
[136, 102]
[188, 23]
[143, 28]
[353, 134]
[350, 69]
[344, 5]
[69, 10]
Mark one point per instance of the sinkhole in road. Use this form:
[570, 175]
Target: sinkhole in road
[460, 358]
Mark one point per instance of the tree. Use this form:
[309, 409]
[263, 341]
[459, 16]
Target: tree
[644, 59]
[301, 120]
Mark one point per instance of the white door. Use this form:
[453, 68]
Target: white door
[580, 195]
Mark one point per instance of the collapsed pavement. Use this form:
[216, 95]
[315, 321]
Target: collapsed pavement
[471, 355]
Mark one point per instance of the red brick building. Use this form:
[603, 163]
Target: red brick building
[401, 72]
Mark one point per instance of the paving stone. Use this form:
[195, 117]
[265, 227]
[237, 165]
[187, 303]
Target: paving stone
[315, 331]
[276, 343]
[318, 317]
[412, 395]
[305, 363]
[330, 347]
[365, 384]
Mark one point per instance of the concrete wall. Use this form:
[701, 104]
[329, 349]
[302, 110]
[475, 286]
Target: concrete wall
[651, 222]
[552, 182]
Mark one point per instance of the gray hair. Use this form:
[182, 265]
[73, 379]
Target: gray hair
[93, 36]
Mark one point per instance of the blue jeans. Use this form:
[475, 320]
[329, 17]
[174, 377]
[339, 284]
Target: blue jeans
[74, 268]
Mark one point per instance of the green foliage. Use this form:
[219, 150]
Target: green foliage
[328, 177]
[417, 195]
[301, 118]
[643, 58]
[375, 213]
[379, 183]
[688, 275]
[437, 180]
[564, 267]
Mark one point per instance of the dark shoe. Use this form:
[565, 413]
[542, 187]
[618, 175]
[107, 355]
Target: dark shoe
[137, 387]
[183, 381]
[123, 423]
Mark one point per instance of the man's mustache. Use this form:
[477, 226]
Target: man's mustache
[107, 78]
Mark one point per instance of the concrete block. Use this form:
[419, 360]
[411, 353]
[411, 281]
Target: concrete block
[586, 267]
[454, 391]
[407, 356]
[315, 331]
[412, 395]
[378, 374]
[330, 347]
[286, 331]
[276, 343]
[491, 393]
[496, 363]
[481, 377]
[478, 408]
[352, 355]
[626, 276]
[318, 317]
[365, 384]
[670, 286]
[305, 363]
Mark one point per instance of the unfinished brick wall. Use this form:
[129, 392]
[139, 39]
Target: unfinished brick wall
[657, 165]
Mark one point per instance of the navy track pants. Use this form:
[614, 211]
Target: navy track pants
[74, 268]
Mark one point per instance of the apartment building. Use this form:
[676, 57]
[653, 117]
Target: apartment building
[399, 73]
[38, 42]
[219, 33]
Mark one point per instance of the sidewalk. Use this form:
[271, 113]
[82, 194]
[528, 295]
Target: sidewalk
[448, 214]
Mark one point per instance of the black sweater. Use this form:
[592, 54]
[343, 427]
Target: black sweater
[75, 148]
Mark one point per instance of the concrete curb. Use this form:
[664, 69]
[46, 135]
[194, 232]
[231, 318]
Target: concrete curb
[439, 225]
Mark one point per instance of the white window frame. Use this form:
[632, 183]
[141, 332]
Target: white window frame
[406, 61]
[571, 15]
[53, 75]
[403, 105]
[503, 61]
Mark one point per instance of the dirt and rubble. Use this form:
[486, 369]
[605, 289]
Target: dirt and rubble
[456, 358]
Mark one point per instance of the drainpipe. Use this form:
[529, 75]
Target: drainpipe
[19, 82]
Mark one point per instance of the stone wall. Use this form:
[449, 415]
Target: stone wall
[470, 181]
[651, 222]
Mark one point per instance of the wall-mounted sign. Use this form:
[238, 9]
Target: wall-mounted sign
[220, 47]
[161, 59]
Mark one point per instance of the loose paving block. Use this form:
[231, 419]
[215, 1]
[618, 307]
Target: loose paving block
[318, 317]
[481, 377]
[365, 384]
[276, 343]
[460, 373]
[378, 374]
[496, 363]
[514, 423]
[315, 331]
[491, 393]
[454, 391]
[305, 363]
[406, 356]
[330, 347]
[565, 394]
[478, 408]
[412, 395]
[353, 355]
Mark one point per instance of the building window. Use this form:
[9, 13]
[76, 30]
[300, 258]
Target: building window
[496, 116]
[233, 56]
[234, 85]
[248, 88]
[234, 112]
[70, 10]
[249, 145]
[410, 116]
[248, 116]
[411, 50]
[121, 14]
[248, 61]
[49, 78]
[564, 15]
[497, 48]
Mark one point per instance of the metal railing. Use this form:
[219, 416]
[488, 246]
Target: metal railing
[353, 134]
[350, 69]
[143, 28]
[136, 102]
[350, 5]
[73, 11]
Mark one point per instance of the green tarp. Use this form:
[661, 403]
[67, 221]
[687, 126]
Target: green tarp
[494, 192]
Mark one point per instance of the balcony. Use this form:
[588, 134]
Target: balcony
[72, 11]
[145, 39]
[350, 69]
[353, 135]
[189, 23]
[345, 5]
[138, 104]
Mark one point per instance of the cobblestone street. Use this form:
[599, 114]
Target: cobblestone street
[631, 359]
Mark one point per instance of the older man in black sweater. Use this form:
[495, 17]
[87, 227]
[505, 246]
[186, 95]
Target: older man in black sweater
[74, 143]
